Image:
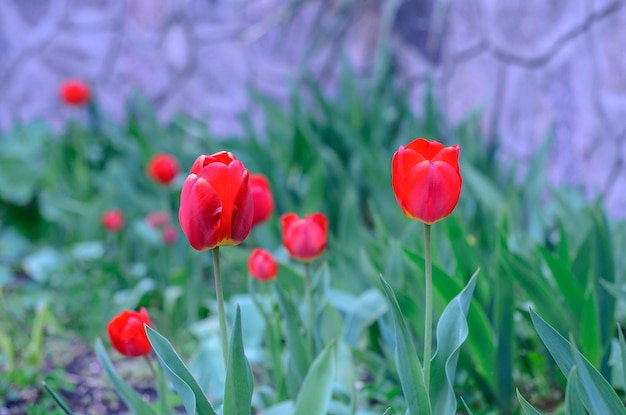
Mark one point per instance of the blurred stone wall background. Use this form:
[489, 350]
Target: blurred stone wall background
[526, 65]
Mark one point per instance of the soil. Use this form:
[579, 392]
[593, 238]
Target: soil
[87, 389]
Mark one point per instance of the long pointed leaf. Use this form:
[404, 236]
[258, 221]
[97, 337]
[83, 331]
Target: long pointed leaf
[239, 381]
[317, 387]
[599, 400]
[407, 362]
[130, 397]
[561, 351]
[295, 340]
[622, 349]
[526, 407]
[190, 392]
[452, 331]
[573, 404]
[58, 399]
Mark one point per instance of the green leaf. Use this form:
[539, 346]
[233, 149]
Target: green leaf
[573, 404]
[295, 340]
[407, 362]
[527, 407]
[599, 399]
[314, 397]
[485, 190]
[467, 408]
[566, 282]
[58, 399]
[183, 381]
[239, 381]
[590, 329]
[481, 343]
[592, 380]
[622, 349]
[452, 331]
[131, 398]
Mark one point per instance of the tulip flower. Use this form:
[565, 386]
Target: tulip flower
[163, 168]
[113, 220]
[157, 219]
[262, 265]
[216, 206]
[170, 234]
[305, 239]
[74, 92]
[262, 198]
[426, 179]
[127, 333]
[216, 209]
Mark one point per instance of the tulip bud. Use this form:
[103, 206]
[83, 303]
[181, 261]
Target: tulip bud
[170, 235]
[262, 198]
[128, 334]
[262, 265]
[305, 239]
[74, 92]
[157, 219]
[163, 168]
[426, 179]
[113, 220]
[216, 206]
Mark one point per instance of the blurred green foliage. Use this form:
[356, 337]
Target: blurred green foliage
[538, 247]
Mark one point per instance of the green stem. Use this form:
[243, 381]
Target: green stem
[428, 319]
[220, 304]
[309, 310]
[159, 379]
[274, 343]
[149, 362]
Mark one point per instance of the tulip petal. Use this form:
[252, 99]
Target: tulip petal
[430, 191]
[318, 219]
[287, 220]
[428, 149]
[244, 210]
[200, 220]
[449, 155]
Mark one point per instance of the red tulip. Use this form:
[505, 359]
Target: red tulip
[128, 334]
[170, 235]
[262, 265]
[113, 220]
[216, 206]
[163, 168]
[262, 198]
[426, 179]
[157, 219]
[305, 239]
[74, 92]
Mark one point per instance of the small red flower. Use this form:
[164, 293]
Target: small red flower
[74, 92]
[113, 220]
[262, 265]
[305, 239]
[426, 179]
[128, 334]
[262, 198]
[157, 219]
[163, 168]
[216, 205]
[170, 234]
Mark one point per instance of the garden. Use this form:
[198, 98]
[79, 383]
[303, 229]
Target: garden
[345, 257]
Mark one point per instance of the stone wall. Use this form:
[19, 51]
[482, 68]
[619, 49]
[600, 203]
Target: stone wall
[527, 65]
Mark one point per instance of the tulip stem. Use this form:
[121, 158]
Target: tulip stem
[149, 362]
[220, 303]
[309, 310]
[428, 319]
